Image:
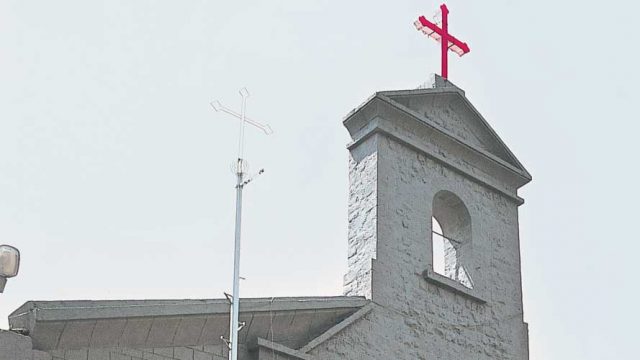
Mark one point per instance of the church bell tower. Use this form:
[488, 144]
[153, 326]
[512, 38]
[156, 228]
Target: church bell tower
[433, 222]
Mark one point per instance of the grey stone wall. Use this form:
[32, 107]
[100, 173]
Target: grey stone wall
[362, 214]
[451, 113]
[17, 347]
[413, 318]
[14, 346]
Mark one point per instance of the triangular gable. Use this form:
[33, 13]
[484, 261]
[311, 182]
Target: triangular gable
[449, 111]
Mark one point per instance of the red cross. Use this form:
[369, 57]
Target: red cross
[448, 41]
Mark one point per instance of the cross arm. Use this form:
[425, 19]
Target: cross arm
[217, 106]
[432, 30]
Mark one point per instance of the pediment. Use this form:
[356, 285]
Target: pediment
[449, 111]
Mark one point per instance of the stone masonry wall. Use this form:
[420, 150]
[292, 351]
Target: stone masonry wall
[416, 319]
[362, 214]
[17, 347]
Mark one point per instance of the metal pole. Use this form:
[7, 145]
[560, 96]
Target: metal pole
[235, 305]
[234, 325]
[233, 337]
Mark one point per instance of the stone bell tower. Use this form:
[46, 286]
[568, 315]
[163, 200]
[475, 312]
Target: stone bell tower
[433, 224]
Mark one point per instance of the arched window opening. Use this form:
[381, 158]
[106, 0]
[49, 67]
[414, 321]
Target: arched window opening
[451, 238]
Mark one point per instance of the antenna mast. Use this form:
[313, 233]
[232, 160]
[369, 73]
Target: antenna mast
[240, 168]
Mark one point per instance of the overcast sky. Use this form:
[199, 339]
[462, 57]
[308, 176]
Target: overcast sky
[114, 170]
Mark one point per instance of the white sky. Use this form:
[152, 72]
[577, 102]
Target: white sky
[114, 171]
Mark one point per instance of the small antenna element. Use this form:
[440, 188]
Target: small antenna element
[240, 168]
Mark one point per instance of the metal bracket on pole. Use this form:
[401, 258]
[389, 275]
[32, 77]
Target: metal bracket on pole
[227, 342]
[250, 179]
[229, 298]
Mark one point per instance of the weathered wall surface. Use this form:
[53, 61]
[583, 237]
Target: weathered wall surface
[415, 319]
[362, 215]
[17, 347]
[14, 346]
[452, 113]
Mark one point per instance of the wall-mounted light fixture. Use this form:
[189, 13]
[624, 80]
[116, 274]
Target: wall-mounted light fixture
[9, 264]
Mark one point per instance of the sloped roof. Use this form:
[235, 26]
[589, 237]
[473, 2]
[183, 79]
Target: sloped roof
[292, 322]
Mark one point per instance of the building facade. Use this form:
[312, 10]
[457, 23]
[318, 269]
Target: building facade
[434, 261]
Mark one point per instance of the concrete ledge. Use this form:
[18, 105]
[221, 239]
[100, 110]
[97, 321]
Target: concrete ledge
[480, 179]
[451, 285]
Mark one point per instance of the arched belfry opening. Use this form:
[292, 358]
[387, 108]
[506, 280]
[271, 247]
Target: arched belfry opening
[451, 238]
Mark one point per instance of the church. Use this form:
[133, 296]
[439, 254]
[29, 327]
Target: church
[433, 261]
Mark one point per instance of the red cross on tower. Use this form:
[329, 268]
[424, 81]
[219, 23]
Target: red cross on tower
[448, 41]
